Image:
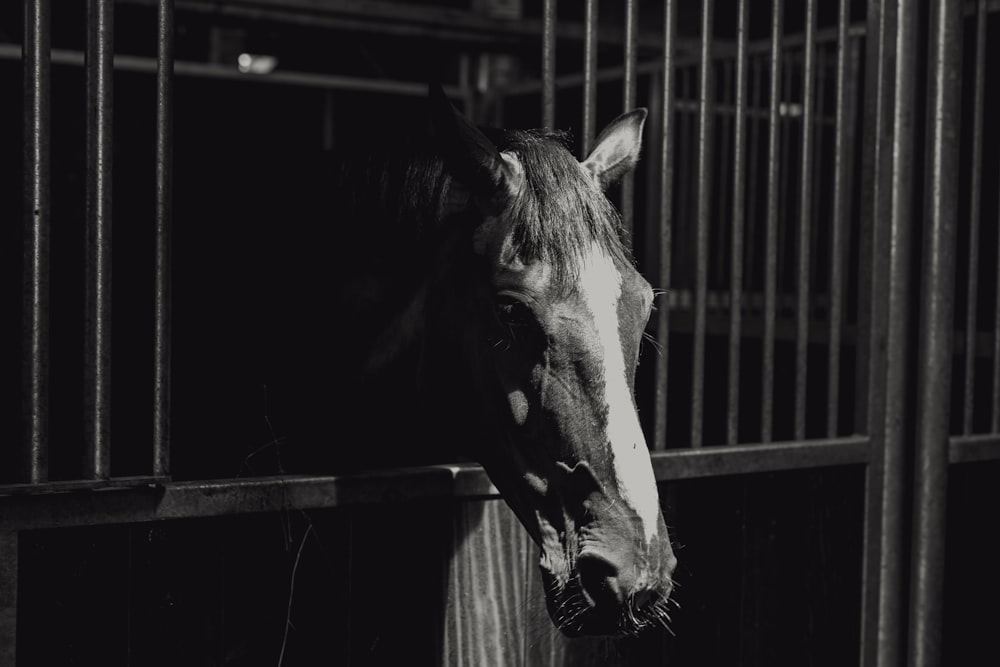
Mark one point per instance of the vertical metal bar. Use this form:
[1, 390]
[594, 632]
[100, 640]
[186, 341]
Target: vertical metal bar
[685, 178]
[589, 76]
[975, 191]
[628, 103]
[722, 128]
[549, 63]
[164, 219]
[841, 165]
[935, 352]
[703, 212]
[99, 71]
[995, 412]
[771, 233]
[819, 129]
[736, 260]
[887, 161]
[756, 76]
[666, 221]
[8, 596]
[894, 430]
[805, 208]
[786, 172]
[37, 224]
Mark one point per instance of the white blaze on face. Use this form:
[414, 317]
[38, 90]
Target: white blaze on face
[600, 286]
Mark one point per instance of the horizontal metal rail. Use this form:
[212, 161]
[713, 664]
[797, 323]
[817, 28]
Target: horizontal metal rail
[971, 448]
[28, 507]
[128, 63]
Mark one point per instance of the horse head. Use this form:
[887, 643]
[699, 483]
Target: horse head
[552, 313]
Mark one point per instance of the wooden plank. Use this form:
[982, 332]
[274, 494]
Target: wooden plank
[8, 597]
[485, 588]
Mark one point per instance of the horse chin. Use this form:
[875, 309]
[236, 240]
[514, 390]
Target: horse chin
[576, 614]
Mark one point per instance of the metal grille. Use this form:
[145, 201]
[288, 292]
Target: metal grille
[812, 202]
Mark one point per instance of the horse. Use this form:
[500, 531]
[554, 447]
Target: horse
[488, 302]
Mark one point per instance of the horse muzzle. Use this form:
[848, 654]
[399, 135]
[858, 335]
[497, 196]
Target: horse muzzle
[598, 597]
[603, 573]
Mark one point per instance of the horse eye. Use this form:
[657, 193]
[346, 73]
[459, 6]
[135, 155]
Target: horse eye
[513, 312]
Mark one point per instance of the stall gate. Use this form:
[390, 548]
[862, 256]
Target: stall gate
[815, 201]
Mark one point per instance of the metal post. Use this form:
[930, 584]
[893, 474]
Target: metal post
[771, 234]
[100, 74]
[589, 77]
[842, 142]
[37, 223]
[889, 144]
[736, 260]
[975, 191]
[549, 64]
[665, 221]
[935, 348]
[164, 219]
[628, 103]
[805, 208]
[705, 97]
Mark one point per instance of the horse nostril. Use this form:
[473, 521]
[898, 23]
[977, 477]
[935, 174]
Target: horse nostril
[599, 579]
[644, 598]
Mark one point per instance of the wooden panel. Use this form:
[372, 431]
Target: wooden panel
[8, 597]
[495, 610]
[547, 647]
[485, 587]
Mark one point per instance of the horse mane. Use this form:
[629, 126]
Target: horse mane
[402, 188]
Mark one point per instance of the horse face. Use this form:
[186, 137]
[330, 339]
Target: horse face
[576, 466]
[570, 456]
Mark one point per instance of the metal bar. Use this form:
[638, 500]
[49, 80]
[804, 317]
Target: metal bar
[164, 219]
[786, 172]
[37, 225]
[995, 412]
[629, 78]
[805, 208]
[703, 213]
[99, 73]
[549, 63]
[771, 233]
[816, 240]
[589, 76]
[184, 500]
[756, 76]
[736, 259]
[8, 596]
[971, 448]
[432, 21]
[127, 63]
[628, 103]
[685, 177]
[841, 205]
[666, 221]
[721, 460]
[722, 128]
[895, 251]
[975, 191]
[180, 500]
[880, 631]
[934, 379]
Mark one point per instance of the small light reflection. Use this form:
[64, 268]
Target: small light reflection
[250, 63]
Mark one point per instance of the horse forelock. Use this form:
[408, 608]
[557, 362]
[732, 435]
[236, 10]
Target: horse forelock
[558, 215]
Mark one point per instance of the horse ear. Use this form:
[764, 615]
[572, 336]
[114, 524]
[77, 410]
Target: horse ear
[472, 158]
[617, 148]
